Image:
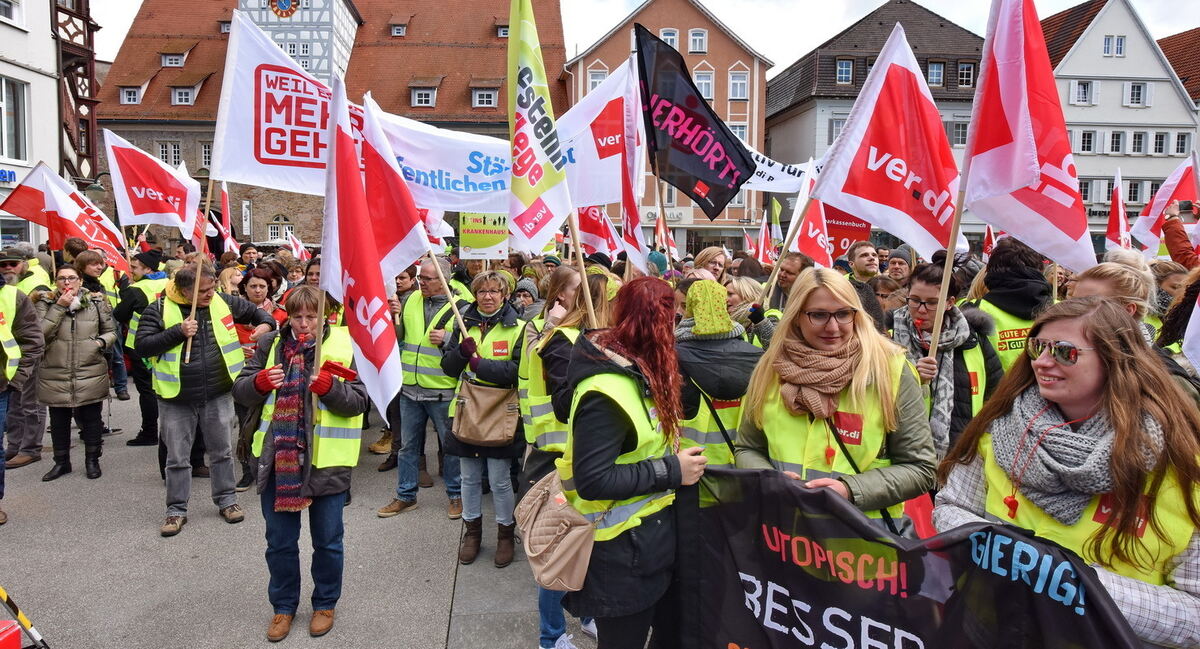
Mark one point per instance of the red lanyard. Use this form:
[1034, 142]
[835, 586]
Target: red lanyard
[1018, 473]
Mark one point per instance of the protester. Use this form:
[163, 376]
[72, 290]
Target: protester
[1175, 322]
[525, 299]
[33, 276]
[488, 354]
[256, 286]
[1128, 286]
[746, 265]
[295, 274]
[1169, 281]
[901, 263]
[713, 260]
[304, 457]
[657, 263]
[741, 297]
[1016, 293]
[389, 443]
[148, 283]
[626, 388]
[889, 294]
[1085, 445]
[966, 370]
[21, 345]
[828, 371]
[97, 277]
[249, 256]
[1175, 237]
[715, 362]
[790, 267]
[25, 418]
[228, 280]
[864, 261]
[73, 378]
[194, 392]
[427, 390]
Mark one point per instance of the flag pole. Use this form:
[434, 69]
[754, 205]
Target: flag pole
[947, 269]
[577, 246]
[793, 230]
[462, 325]
[187, 353]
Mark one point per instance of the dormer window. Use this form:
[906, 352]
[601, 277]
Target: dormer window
[399, 30]
[131, 95]
[502, 31]
[226, 26]
[182, 96]
[172, 60]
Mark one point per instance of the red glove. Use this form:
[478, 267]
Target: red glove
[262, 382]
[468, 347]
[322, 383]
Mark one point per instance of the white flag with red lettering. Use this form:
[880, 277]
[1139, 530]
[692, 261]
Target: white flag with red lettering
[748, 243]
[892, 165]
[224, 226]
[297, 246]
[1117, 234]
[351, 261]
[46, 199]
[1180, 185]
[596, 232]
[1021, 175]
[148, 190]
[764, 252]
[813, 237]
[632, 237]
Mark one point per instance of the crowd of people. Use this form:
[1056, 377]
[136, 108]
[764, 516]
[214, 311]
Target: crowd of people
[1049, 396]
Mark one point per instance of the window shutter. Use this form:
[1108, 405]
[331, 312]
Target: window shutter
[1100, 145]
[1148, 95]
[1126, 90]
[1071, 140]
[1095, 93]
[829, 132]
[1073, 93]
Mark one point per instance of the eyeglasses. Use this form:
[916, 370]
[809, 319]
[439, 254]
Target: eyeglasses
[918, 304]
[426, 278]
[7, 264]
[489, 291]
[820, 318]
[1065, 353]
[67, 279]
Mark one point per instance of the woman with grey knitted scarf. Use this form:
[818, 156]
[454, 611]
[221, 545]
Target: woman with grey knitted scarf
[967, 367]
[1089, 443]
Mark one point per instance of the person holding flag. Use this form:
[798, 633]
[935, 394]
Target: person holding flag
[148, 283]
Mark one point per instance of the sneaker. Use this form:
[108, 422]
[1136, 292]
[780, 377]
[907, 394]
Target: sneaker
[245, 483]
[233, 513]
[397, 506]
[172, 525]
[454, 509]
[142, 440]
[589, 627]
[564, 642]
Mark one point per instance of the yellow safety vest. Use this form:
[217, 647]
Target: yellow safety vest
[420, 359]
[336, 439]
[804, 445]
[612, 517]
[108, 279]
[702, 430]
[977, 371]
[151, 288]
[542, 428]
[1156, 322]
[166, 365]
[1010, 335]
[37, 277]
[1169, 511]
[460, 291]
[8, 313]
[498, 344]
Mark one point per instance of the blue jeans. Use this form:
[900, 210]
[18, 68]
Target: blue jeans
[3, 418]
[283, 551]
[116, 362]
[553, 622]
[413, 417]
[499, 478]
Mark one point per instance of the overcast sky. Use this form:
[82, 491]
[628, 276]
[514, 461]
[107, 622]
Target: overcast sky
[782, 30]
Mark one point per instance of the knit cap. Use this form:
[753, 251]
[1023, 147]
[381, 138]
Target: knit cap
[706, 305]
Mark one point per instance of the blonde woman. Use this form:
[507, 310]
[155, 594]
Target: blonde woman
[836, 405]
[741, 294]
[713, 260]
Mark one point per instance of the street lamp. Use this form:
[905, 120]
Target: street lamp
[96, 191]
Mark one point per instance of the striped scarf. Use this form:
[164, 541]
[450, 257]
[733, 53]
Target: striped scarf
[287, 429]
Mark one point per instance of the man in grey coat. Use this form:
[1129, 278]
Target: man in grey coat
[27, 425]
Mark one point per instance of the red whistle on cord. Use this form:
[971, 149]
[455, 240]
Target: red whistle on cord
[339, 370]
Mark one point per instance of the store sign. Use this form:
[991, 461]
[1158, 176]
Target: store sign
[679, 215]
[8, 176]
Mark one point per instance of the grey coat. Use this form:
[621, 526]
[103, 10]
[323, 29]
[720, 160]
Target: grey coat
[27, 330]
[74, 370]
[345, 398]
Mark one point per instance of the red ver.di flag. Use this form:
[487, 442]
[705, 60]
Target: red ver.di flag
[351, 261]
[1117, 235]
[596, 232]
[892, 165]
[1179, 186]
[1021, 176]
[690, 147]
[148, 190]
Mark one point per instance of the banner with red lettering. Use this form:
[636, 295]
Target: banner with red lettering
[892, 165]
[147, 190]
[773, 565]
[46, 199]
[596, 232]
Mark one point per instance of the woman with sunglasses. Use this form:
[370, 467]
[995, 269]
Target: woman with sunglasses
[1085, 444]
[834, 404]
[73, 376]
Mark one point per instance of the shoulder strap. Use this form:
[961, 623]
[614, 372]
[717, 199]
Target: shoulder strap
[887, 517]
[717, 418]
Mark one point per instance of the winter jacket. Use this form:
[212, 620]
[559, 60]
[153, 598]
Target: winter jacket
[74, 370]
[27, 330]
[502, 373]
[721, 368]
[982, 326]
[205, 377]
[345, 398]
[1179, 245]
[1022, 294]
[632, 571]
[870, 303]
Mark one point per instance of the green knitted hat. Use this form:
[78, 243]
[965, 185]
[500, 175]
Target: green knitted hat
[706, 305]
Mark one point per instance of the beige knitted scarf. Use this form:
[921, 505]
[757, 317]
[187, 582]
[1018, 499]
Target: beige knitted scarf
[811, 379]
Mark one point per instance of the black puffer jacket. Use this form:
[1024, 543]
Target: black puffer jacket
[205, 377]
[721, 368]
[1022, 293]
[982, 326]
[870, 303]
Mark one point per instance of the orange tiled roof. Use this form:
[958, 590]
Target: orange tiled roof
[1183, 51]
[1065, 27]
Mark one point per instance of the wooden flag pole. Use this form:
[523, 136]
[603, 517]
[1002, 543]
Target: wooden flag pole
[793, 230]
[187, 352]
[947, 269]
[1054, 282]
[577, 246]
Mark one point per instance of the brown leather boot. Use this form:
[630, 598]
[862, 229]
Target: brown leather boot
[468, 548]
[424, 480]
[280, 627]
[384, 445]
[504, 545]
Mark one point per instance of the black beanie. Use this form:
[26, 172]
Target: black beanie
[152, 258]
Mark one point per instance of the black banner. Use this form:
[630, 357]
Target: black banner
[690, 147]
[785, 567]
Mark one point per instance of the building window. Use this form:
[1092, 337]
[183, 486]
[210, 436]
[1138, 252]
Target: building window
[1087, 142]
[172, 60]
[1154, 189]
[697, 41]
[845, 71]
[1116, 142]
[1108, 189]
[399, 30]
[181, 96]
[1183, 143]
[424, 96]
[1085, 190]
[304, 64]
[502, 31]
[966, 75]
[670, 37]
[483, 97]
[835, 128]
[668, 195]
[739, 131]
[595, 78]
[279, 228]
[1160, 143]
[14, 111]
[1135, 192]
[704, 83]
[305, 49]
[937, 73]
[739, 200]
[739, 85]
[1119, 47]
[291, 48]
[306, 4]
[10, 10]
[170, 153]
[205, 155]
[1137, 94]
[226, 26]
[1108, 45]
[1137, 143]
[958, 133]
[131, 95]
[1083, 93]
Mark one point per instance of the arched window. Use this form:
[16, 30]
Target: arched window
[279, 228]
[697, 41]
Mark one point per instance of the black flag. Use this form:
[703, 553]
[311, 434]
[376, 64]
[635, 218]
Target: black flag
[690, 147]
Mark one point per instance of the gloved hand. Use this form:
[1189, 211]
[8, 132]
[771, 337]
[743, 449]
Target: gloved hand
[268, 379]
[757, 313]
[468, 347]
[322, 383]
[474, 363]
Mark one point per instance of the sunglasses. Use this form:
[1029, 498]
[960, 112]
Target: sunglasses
[819, 318]
[1063, 352]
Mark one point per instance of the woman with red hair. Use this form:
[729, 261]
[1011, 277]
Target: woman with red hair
[624, 472]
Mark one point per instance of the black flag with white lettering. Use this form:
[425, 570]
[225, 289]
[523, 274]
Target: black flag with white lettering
[690, 147]
[781, 567]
